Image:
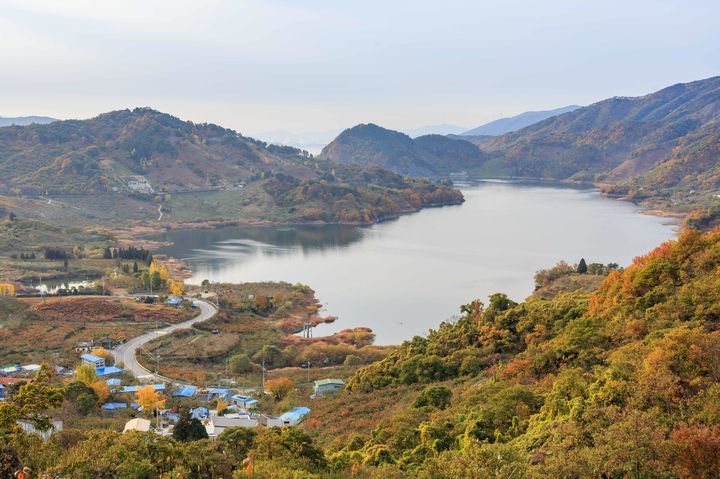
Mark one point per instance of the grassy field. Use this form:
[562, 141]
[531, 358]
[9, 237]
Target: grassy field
[36, 330]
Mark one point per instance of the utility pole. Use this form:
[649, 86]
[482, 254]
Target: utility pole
[263, 376]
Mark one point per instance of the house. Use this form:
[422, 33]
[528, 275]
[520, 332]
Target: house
[270, 421]
[200, 413]
[138, 424]
[138, 183]
[10, 381]
[84, 346]
[108, 371]
[185, 392]
[113, 406]
[134, 389]
[107, 343]
[328, 385]
[96, 361]
[29, 427]
[2, 392]
[10, 369]
[218, 393]
[113, 382]
[173, 301]
[244, 402]
[294, 415]
[31, 368]
[217, 424]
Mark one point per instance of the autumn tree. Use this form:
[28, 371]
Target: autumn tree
[30, 402]
[103, 353]
[279, 388]
[176, 287]
[150, 399]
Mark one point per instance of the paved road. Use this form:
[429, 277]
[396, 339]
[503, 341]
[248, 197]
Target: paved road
[126, 352]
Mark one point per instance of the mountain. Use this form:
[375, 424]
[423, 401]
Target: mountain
[142, 150]
[663, 146]
[514, 123]
[442, 129]
[310, 141]
[429, 155]
[25, 120]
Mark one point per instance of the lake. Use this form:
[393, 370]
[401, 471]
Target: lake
[405, 276]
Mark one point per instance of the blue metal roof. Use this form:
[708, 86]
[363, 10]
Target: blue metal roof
[111, 406]
[134, 389]
[108, 370]
[91, 357]
[294, 415]
[173, 300]
[200, 413]
[185, 392]
[113, 382]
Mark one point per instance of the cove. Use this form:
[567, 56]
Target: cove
[405, 276]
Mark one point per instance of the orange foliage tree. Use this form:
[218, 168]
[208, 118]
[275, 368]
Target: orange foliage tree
[279, 388]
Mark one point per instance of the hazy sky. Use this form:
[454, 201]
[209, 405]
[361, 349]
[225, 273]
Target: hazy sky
[314, 65]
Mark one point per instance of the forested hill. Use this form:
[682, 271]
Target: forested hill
[93, 155]
[621, 383]
[428, 156]
[104, 155]
[662, 145]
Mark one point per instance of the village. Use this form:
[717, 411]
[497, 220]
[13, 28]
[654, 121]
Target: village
[159, 407]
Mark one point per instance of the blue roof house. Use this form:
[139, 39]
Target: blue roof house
[185, 392]
[173, 301]
[108, 371]
[244, 402]
[294, 415]
[93, 360]
[2, 392]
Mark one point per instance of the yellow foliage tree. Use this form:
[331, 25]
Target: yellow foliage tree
[221, 405]
[7, 289]
[176, 287]
[161, 269]
[280, 387]
[150, 399]
[103, 353]
[86, 374]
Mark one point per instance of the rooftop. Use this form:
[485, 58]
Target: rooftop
[91, 358]
[323, 382]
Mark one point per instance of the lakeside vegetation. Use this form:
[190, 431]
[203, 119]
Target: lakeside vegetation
[256, 326]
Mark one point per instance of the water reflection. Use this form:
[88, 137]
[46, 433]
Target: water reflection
[405, 276]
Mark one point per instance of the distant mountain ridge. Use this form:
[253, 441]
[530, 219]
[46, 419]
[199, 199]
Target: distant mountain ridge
[428, 155]
[664, 146]
[514, 123]
[25, 120]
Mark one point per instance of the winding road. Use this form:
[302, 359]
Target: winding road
[126, 352]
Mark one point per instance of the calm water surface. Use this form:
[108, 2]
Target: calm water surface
[405, 276]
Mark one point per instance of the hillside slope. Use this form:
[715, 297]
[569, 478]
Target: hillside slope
[619, 383]
[429, 155]
[114, 152]
[661, 145]
[517, 122]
